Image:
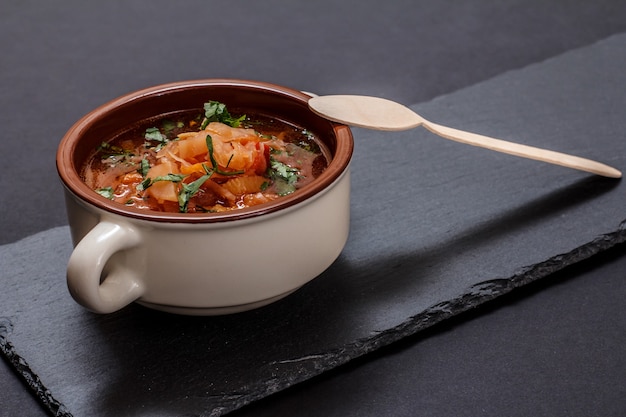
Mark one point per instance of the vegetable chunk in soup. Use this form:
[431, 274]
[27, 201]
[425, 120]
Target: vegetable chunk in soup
[203, 163]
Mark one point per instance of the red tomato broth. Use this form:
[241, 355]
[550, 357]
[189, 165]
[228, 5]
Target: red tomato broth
[248, 159]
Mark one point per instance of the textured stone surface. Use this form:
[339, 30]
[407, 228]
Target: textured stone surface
[551, 348]
[437, 228]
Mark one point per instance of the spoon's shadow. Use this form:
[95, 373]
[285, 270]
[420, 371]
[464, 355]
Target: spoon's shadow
[482, 235]
[427, 270]
[525, 215]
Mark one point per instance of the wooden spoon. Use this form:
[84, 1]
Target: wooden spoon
[382, 114]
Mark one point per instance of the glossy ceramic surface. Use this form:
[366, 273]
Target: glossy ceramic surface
[203, 264]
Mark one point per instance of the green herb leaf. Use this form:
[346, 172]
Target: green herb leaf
[209, 145]
[106, 192]
[283, 171]
[214, 111]
[112, 150]
[144, 167]
[283, 188]
[168, 126]
[191, 189]
[153, 134]
[146, 183]
[284, 176]
[169, 177]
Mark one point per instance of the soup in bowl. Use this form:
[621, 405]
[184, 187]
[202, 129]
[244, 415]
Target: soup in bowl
[203, 197]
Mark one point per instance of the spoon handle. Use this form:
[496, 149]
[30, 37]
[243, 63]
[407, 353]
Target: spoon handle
[524, 151]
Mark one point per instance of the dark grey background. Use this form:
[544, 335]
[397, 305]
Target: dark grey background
[61, 60]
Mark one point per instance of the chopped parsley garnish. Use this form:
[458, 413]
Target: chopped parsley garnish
[144, 167]
[106, 192]
[284, 176]
[155, 139]
[191, 189]
[283, 171]
[169, 177]
[153, 133]
[214, 111]
[109, 150]
[168, 126]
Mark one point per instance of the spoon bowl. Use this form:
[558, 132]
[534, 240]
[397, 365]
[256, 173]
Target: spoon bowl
[382, 114]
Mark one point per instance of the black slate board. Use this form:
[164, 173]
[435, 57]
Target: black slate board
[437, 228]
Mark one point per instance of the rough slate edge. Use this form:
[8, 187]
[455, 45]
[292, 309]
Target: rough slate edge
[27, 374]
[474, 296]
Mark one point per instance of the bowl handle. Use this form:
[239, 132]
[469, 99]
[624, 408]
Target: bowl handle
[89, 284]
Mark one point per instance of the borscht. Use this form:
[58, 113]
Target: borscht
[205, 161]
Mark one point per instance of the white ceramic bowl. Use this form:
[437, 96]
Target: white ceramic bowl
[202, 264]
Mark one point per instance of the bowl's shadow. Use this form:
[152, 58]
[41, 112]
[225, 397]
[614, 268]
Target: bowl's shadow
[172, 365]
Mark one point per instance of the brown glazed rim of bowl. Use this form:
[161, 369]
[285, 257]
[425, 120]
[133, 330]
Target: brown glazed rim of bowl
[69, 172]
